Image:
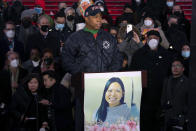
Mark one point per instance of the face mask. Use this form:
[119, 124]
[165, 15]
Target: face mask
[128, 14]
[10, 34]
[102, 9]
[174, 26]
[170, 3]
[186, 54]
[14, 63]
[138, 1]
[45, 28]
[35, 63]
[38, 10]
[153, 43]
[59, 26]
[80, 26]
[26, 23]
[178, 13]
[70, 17]
[147, 22]
[35, 58]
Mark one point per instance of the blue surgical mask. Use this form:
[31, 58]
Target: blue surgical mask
[186, 54]
[59, 26]
[170, 3]
[38, 10]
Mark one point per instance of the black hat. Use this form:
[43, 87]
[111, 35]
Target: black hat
[92, 10]
[149, 15]
[154, 32]
[127, 5]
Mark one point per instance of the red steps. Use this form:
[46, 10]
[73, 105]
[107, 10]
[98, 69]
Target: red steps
[186, 5]
[115, 7]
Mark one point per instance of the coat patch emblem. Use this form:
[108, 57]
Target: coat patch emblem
[106, 45]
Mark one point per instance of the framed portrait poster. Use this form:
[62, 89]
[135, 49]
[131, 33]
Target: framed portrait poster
[112, 101]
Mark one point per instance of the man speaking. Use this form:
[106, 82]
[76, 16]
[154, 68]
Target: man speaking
[91, 49]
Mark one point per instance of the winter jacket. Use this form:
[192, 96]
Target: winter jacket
[5, 46]
[37, 40]
[61, 107]
[174, 99]
[83, 53]
[156, 63]
[25, 104]
[64, 34]
[129, 48]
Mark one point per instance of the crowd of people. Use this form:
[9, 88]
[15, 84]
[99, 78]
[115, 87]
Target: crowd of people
[40, 53]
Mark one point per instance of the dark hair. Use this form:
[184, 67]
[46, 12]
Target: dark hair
[127, 5]
[113, 28]
[173, 16]
[51, 74]
[8, 23]
[102, 111]
[177, 59]
[59, 14]
[29, 78]
[46, 50]
[156, 33]
[35, 48]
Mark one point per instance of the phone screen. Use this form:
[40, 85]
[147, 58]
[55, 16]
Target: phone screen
[129, 28]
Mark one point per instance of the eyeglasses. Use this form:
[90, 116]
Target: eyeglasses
[177, 66]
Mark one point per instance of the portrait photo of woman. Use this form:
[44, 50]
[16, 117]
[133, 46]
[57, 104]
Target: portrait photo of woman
[113, 109]
[112, 101]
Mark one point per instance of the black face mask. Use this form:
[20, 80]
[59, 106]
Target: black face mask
[128, 14]
[26, 23]
[178, 13]
[48, 61]
[35, 58]
[45, 28]
[70, 17]
[174, 27]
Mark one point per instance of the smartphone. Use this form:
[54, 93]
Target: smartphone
[129, 28]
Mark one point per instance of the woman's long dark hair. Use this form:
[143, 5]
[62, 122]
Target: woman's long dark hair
[102, 111]
[29, 78]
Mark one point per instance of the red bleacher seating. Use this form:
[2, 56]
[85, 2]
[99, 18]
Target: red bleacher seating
[115, 7]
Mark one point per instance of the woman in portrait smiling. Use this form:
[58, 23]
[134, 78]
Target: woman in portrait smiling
[112, 108]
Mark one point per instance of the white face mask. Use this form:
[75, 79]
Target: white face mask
[147, 22]
[10, 34]
[170, 3]
[35, 63]
[102, 9]
[14, 63]
[80, 26]
[138, 1]
[153, 43]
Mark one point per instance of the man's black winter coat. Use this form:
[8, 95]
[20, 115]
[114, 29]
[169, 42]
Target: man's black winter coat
[83, 53]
